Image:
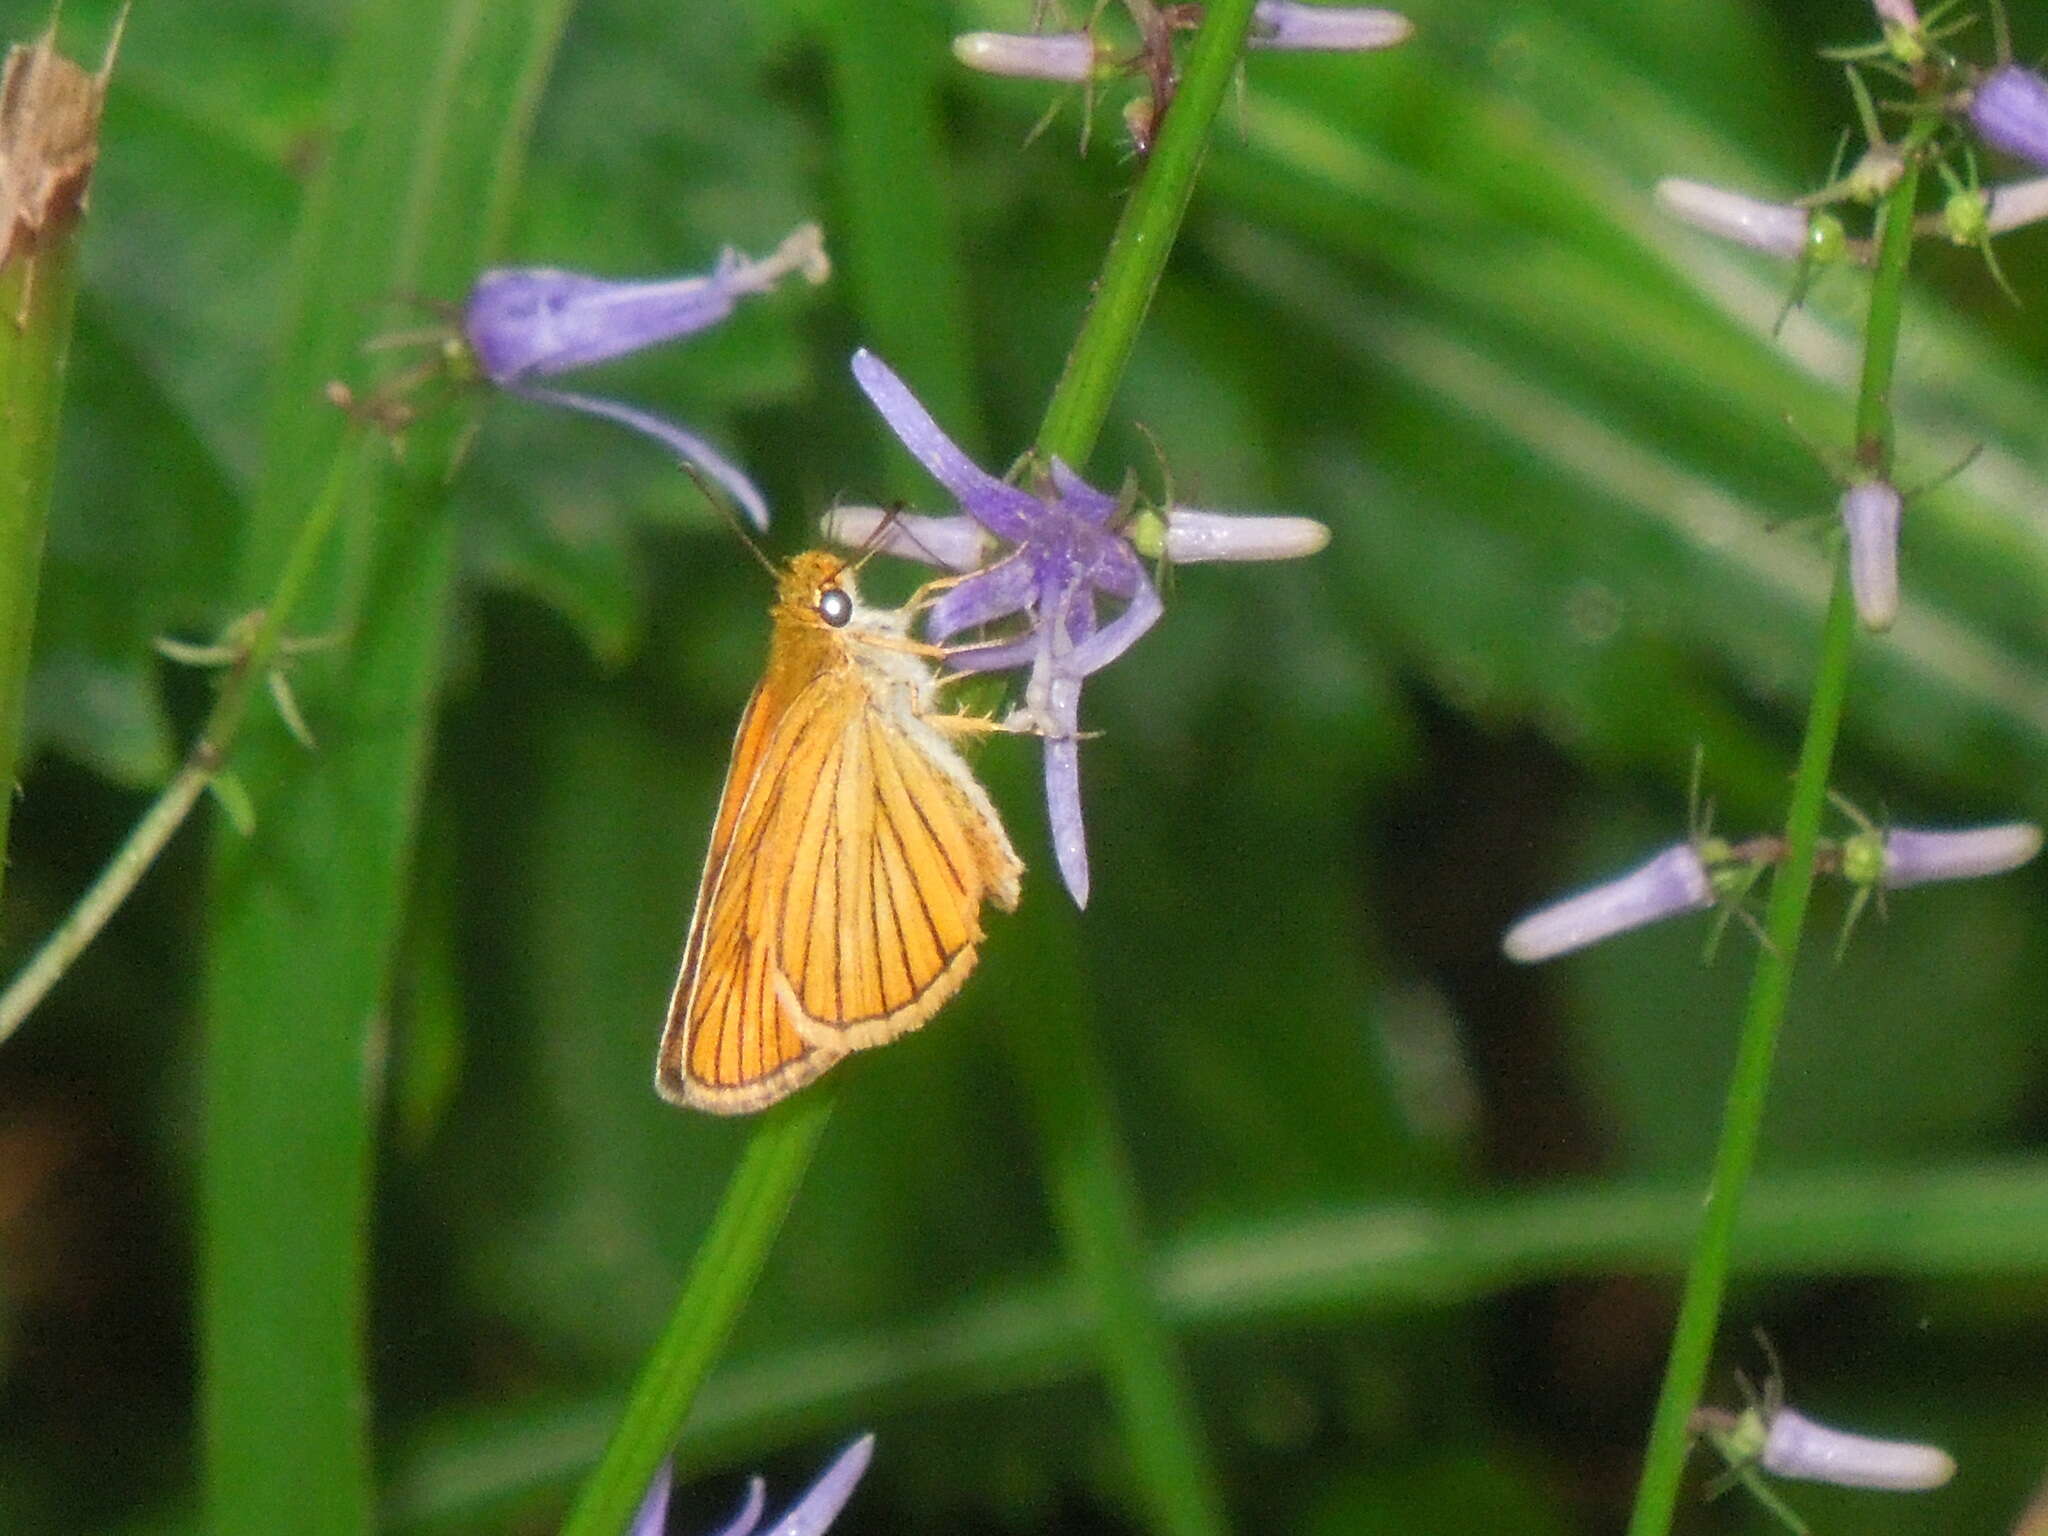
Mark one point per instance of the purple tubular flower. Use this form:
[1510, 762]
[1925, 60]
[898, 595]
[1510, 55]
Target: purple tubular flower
[1068, 56]
[532, 322]
[1797, 1446]
[1289, 24]
[1917, 857]
[1870, 516]
[2009, 110]
[529, 323]
[809, 1516]
[1071, 549]
[1674, 881]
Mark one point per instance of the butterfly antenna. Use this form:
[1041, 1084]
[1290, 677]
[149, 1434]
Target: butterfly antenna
[892, 516]
[725, 510]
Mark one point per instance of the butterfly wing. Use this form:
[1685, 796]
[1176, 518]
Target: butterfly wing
[726, 1046]
[888, 926]
[841, 898]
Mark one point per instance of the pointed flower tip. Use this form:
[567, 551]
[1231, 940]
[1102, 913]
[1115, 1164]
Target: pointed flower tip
[1190, 537]
[1799, 1447]
[1288, 24]
[2009, 110]
[1674, 881]
[1067, 56]
[1779, 229]
[1915, 857]
[1870, 516]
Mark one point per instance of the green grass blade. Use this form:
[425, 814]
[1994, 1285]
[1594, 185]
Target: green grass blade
[432, 106]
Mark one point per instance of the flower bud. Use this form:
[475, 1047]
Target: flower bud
[1781, 229]
[1188, 537]
[1798, 1447]
[1288, 24]
[1068, 56]
[1675, 881]
[1870, 516]
[1913, 857]
[952, 543]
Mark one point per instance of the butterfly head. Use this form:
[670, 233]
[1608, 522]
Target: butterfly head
[817, 590]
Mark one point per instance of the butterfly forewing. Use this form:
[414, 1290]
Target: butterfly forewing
[840, 903]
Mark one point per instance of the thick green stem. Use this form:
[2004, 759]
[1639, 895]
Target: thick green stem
[35, 333]
[1144, 239]
[1706, 1280]
[727, 1265]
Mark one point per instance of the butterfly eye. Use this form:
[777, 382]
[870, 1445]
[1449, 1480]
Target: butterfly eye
[834, 606]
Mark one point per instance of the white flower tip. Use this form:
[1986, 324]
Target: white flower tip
[954, 543]
[1067, 56]
[1777, 228]
[1286, 24]
[1674, 881]
[1914, 857]
[1799, 1447]
[1193, 537]
[2016, 204]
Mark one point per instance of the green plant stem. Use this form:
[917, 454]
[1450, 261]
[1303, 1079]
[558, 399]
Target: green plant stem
[726, 1268]
[1706, 1280]
[36, 294]
[202, 765]
[1144, 239]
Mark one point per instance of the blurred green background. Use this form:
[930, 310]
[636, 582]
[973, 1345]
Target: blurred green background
[1416, 1212]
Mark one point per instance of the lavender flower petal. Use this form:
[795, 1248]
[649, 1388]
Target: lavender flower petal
[828, 1495]
[532, 322]
[687, 446]
[1115, 637]
[996, 656]
[2009, 110]
[1193, 537]
[741, 1524]
[995, 593]
[1674, 881]
[651, 1519]
[1068, 56]
[1915, 857]
[957, 544]
[1778, 228]
[1797, 1446]
[1870, 514]
[1063, 786]
[1079, 498]
[1334, 28]
[1003, 509]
